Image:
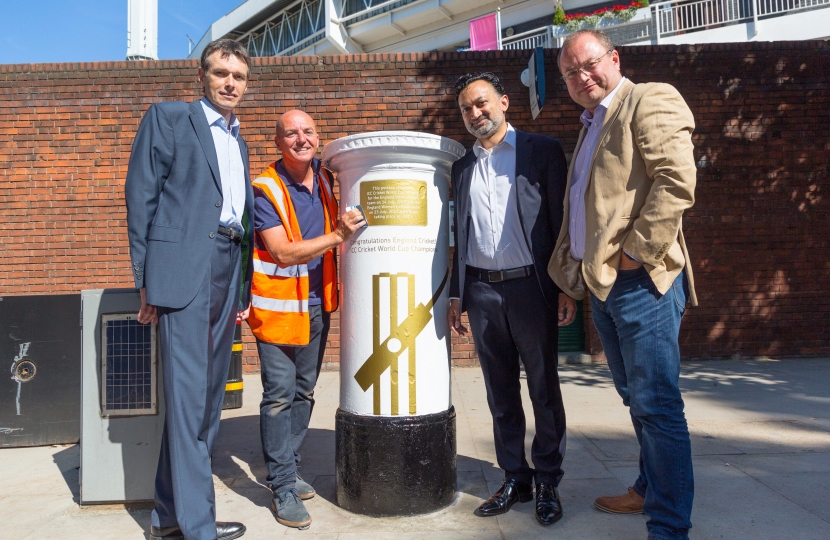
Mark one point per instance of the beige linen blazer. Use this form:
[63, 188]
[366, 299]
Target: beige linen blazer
[642, 179]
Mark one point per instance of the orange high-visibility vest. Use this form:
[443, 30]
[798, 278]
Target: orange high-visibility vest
[279, 306]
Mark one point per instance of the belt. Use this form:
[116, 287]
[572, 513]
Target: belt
[230, 233]
[495, 276]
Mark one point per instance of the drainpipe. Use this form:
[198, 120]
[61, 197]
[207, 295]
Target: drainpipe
[754, 18]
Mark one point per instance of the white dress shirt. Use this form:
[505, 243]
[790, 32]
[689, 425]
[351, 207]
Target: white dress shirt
[495, 240]
[231, 169]
[582, 172]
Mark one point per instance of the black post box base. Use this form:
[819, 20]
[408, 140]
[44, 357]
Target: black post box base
[395, 465]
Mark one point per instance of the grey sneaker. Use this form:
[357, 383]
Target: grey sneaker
[290, 510]
[304, 489]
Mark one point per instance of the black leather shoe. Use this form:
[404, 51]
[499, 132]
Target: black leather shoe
[548, 506]
[510, 492]
[229, 530]
[224, 531]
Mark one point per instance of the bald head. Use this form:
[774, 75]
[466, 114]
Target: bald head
[297, 138]
[292, 117]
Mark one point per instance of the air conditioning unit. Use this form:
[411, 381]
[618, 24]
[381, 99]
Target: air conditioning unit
[122, 403]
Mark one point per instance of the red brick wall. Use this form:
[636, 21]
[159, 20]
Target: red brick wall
[758, 233]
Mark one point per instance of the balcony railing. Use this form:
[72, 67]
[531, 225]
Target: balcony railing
[666, 19]
[539, 37]
[351, 11]
[677, 17]
[302, 23]
[299, 24]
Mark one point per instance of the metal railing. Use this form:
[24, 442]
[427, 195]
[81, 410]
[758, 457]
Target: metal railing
[538, 37]
[354, 10]
[675, 17]
[302, 23]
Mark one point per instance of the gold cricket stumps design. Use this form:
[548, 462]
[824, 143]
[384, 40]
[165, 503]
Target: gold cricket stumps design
[402, 336]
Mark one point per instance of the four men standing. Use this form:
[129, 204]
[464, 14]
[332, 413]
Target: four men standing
[190, 205]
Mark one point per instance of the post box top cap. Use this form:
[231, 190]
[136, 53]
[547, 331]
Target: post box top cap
[394, 143]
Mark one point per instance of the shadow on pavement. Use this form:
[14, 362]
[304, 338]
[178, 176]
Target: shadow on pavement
[237, 459]
[238, 462]
[68, 462]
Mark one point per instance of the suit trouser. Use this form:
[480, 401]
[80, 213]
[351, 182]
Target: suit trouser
[289, 374]
[510, 320]
[196, 344]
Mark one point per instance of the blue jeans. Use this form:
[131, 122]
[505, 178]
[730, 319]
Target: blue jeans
[638, 328]
[289, 374]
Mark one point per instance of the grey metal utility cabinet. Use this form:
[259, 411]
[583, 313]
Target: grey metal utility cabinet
[122, 404]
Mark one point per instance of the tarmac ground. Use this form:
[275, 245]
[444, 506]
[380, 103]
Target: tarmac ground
[760, 438]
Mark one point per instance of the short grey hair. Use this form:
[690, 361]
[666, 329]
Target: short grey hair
[599, 35]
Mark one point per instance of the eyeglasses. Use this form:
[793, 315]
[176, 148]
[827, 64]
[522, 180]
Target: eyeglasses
[586, 67]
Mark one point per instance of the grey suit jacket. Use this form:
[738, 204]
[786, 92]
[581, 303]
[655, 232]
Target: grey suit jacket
[541, 175]
[174, 199]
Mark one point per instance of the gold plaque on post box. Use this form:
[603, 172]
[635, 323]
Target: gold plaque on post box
[394, 202]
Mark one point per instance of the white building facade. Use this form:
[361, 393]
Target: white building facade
[326, 27]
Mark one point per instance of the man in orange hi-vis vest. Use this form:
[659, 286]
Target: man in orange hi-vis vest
[294, 291]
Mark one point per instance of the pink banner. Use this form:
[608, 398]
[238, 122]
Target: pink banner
[484, 33]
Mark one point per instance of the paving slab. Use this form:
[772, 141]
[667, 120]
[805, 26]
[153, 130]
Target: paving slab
[760, 440]
[803, 479]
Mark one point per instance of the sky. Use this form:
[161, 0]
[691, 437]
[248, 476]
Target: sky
[37, 31]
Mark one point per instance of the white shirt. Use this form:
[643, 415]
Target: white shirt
[495, 240]
[582, 172]
[231, 168]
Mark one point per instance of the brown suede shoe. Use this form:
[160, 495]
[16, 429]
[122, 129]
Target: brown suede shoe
[630, 503]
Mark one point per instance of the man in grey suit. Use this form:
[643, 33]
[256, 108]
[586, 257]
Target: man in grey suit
[189, 209]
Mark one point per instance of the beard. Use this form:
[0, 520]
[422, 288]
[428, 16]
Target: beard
[489, 127]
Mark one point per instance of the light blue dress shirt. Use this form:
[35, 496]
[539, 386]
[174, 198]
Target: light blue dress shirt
[495, 238]
[582, 172]
[231, 168]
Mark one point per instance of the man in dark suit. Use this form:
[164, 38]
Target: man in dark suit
[508, 193]
[189, 207]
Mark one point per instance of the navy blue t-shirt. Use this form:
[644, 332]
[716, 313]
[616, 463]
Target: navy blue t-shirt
[310, 216]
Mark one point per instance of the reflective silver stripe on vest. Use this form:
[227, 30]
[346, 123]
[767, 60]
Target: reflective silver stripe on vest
[282, 306]
[269, 182]
[271, 269]
[325, 182]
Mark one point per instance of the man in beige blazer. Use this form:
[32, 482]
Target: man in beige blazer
[631, 178]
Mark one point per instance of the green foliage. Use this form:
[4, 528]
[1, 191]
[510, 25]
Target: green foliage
[627, 15]
[592, 20]
[573, 25]
[559, 16]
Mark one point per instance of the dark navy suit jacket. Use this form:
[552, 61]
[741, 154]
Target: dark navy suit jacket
[541, 177]
[174, 199]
